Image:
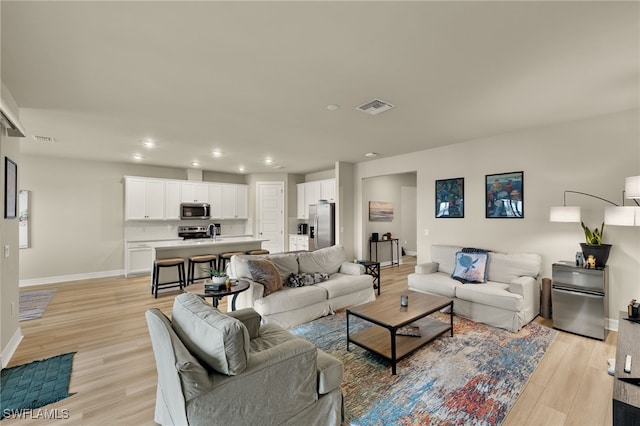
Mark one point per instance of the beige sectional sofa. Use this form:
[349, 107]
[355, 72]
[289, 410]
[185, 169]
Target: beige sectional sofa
[347, 285]
[509, 299]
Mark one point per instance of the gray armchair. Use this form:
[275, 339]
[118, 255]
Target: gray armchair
[216, 368]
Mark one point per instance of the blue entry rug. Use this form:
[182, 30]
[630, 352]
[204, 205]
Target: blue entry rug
[34, 385]
[473, 378]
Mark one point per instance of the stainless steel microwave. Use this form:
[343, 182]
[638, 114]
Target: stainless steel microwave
[195, 211]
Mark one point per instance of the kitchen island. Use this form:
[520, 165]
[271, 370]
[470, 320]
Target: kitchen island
[200, 246]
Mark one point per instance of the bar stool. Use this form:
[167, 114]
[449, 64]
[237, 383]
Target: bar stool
[211, 259]
[167, 263]
[223, 258]
[259, 251]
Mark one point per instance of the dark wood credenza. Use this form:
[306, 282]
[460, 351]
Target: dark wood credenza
[626, 396]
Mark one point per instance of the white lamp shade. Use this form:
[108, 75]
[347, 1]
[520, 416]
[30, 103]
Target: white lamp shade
[622, 216]
[632, 187]
[564, 214]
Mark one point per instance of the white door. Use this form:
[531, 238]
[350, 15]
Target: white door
[270, 215]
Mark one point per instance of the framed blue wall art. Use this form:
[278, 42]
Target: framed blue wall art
[505, 195]
[450, 198]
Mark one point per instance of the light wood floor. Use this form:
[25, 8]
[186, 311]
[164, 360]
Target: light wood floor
[114, 373]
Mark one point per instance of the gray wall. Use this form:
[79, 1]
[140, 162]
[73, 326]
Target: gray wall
[76, 222]
[592, 156]
[10, 334]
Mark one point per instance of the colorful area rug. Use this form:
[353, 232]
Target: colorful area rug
[34, 385]
[473, 378]
[33, 304]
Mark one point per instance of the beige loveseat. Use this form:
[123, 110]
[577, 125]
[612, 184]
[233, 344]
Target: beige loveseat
[347, 285]
[510, 298]
[228, 369]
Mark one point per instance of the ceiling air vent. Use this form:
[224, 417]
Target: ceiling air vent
[375, 106]
[43, 139]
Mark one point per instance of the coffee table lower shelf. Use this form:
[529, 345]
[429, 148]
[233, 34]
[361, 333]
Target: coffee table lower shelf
[383, 340]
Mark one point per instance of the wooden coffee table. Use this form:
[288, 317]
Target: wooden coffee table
[388, 316]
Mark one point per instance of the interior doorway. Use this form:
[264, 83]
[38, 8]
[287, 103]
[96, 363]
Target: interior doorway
[270, 215]
[398, 192]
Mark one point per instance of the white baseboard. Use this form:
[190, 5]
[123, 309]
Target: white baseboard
[411, 253]
[388, 263]
[74, 277]
[612, 324]
[10, 349]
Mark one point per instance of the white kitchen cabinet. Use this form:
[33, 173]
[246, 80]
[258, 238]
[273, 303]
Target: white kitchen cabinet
[159, 199]
[235, 201]
[293, 243]
[138, 259]
[144, 199]
[195, 192]
[328, 190]
[298, 242]
[242, 201]
[311, 193]
[215, 200]
[173, 196]
[303, 242]
[300, 202]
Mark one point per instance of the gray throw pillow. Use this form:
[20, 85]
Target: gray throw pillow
[216, 339]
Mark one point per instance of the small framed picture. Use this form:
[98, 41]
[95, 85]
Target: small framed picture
[505, 195]
[10, 189]
[450, 198]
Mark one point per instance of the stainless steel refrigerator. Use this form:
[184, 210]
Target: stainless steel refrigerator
[322, 233]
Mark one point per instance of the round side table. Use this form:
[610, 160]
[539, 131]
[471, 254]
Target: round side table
[238, 287]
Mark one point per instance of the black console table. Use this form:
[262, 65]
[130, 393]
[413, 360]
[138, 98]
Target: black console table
[391, 242]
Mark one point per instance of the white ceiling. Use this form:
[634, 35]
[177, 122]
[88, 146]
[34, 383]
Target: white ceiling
[253, 79]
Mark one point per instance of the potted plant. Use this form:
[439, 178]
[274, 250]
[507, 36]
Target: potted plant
[594, 246]
[218, 277]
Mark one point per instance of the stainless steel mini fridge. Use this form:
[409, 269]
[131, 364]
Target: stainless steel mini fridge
[579, 299]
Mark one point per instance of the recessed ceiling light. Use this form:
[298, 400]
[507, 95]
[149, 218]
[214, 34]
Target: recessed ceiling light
[148, 143]
[268, 160]
[216, 153]
[137, 157]
[333, 107]
[241, 168]
[195, 163]
[371, 154]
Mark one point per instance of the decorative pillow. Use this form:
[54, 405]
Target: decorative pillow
[216, 339]
[264, 272]
[471, 267]
[306, 278]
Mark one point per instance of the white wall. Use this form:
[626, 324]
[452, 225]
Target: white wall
[592, 156]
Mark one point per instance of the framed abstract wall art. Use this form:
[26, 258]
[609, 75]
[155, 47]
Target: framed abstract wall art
[450, 198]
[10, 189]
[504, 195]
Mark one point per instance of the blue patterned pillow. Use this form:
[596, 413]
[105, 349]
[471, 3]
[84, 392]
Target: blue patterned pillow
[471, 267]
